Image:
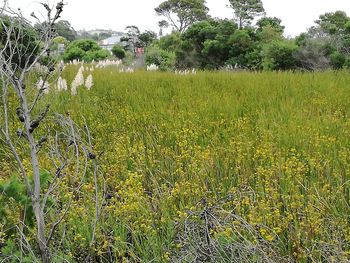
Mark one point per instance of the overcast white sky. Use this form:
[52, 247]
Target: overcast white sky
[296, 15]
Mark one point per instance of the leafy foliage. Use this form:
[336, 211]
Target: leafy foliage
[246, 10]
[280, 55]
[186, 12]
[86, 50]
[165, 60]
[64, 29]
[147, 38]
[118, 51]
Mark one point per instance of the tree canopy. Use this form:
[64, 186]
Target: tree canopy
[182, 13]
[246, 10]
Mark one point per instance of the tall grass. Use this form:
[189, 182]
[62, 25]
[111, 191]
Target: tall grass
[274, 144]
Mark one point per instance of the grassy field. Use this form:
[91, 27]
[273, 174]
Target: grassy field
[212, 167]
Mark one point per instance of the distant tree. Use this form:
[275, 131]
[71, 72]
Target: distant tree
[189, 54]
[146, 38]
[94, 37]
[205, 44]
[64, 29]
[336, 26]
[246, 10]
[162, 24]
[241, 44]
[327, 44]
[272, 22]
[312, 53]
[132, 38]
[104, 35]
[182, 13]
[334, 23]
[118, 51]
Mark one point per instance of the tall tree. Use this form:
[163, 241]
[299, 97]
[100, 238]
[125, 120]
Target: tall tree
[272, 22]
[334, 23]
[182, 13]
[146, 38]
[162, 24]
[246, 10]
[64, 29]
[132, 38]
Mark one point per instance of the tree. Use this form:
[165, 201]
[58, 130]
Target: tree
[170, 42]
[104, 35]
[61, 28]
[246, 10]
[146, 38]
[312, 53]
[162, 24]
[64, 29]
[118, 51]
[132, 38]
[272, 22]
[280, 55]
[205, 44]
[186, 12]
[48, 151]
[241, 44]
[337, 27]
[334, 23]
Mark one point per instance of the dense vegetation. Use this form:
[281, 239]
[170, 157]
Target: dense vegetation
[216, 43]
[248, 166]
[237, 164]
[251, 41]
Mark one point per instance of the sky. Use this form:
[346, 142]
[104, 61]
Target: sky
[296, 15]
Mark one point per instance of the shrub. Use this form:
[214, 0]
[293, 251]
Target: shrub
[163, 59]
[337, 60]
[118, 51]
[86, 50]
[279, 55]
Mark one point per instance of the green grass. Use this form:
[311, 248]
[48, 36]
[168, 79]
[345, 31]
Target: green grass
[278, 142]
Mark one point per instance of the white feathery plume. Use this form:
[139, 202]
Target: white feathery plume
[89, 82]
[61, 84]
[152, 67]
[78, 81]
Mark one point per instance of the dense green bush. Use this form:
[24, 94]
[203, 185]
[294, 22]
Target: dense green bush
[279, 55]
[118, 51]
[86, 50]
[165, 60]
[337, 60]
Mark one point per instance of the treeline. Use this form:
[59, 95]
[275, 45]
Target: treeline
[251, 41]
[199, 41]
